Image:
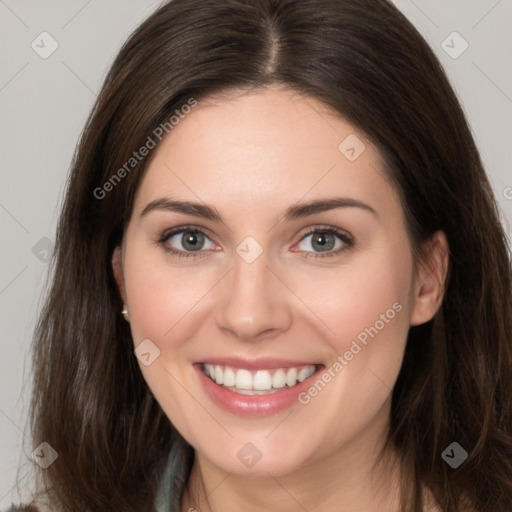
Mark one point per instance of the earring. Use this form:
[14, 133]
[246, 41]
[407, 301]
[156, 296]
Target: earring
[125, 311]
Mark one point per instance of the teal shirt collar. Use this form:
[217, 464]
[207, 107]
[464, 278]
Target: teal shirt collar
[174, 478]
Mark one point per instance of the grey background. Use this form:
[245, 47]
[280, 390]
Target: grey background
[44, 104]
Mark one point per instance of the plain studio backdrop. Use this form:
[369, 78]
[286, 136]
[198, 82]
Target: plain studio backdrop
[54, 57]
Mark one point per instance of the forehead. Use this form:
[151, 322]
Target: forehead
[271, 146]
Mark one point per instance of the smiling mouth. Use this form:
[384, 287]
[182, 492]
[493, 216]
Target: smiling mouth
[258, 382]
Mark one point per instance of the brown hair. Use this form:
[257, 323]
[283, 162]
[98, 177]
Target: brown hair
[364, 59]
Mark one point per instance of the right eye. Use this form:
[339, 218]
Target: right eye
[184, 242]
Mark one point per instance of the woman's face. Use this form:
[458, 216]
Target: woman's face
[290, 262]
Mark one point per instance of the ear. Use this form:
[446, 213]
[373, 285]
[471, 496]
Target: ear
[430, 279]
[118, 271]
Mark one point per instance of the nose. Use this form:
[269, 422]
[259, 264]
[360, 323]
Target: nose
[253, 303]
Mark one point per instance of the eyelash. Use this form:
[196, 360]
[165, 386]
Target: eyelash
[342, 235]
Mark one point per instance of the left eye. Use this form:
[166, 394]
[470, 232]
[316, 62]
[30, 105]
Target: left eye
[323, 240]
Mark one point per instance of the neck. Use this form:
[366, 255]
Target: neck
[350, 479]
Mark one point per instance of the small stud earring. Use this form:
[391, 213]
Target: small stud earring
[125, 311]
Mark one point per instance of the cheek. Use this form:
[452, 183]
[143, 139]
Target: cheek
[363, 310]
[366, 298]
[164, 304]
[161, 296]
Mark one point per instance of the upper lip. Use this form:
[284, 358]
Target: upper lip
[261, 363]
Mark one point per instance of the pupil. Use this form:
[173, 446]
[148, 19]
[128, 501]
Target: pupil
[193, 240]
[323, 240]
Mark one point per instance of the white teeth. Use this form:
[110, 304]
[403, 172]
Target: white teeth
[262, 381]
[219, 375]
[254, 392]
[229, 377]
[305, 373]
[243, 378]
[259, 381]
[291, 377]
[279, 379]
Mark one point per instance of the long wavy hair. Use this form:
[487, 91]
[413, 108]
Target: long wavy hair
[367, 62]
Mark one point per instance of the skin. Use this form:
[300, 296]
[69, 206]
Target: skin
[251, 156]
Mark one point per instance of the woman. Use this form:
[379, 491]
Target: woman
[281, 281]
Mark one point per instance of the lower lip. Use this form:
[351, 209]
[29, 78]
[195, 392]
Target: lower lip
[252, 405]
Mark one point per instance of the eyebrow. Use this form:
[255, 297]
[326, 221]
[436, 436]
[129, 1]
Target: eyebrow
[294, 212]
